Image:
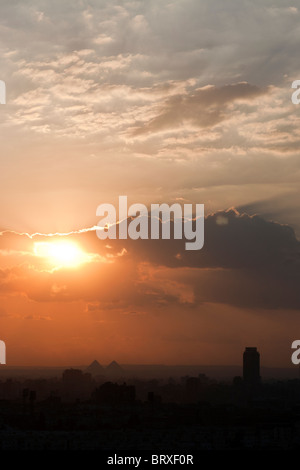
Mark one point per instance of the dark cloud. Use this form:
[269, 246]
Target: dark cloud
[246, 261]
[204, 107]
[284, 208]
[232, 240]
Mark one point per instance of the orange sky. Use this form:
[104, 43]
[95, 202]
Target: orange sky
[184, 101]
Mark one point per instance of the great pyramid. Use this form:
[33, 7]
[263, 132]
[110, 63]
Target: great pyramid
[114, 369]
[95, 368]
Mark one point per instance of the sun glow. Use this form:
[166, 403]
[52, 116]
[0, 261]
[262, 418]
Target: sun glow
[61, 254]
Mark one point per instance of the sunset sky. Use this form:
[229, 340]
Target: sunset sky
[163, 101]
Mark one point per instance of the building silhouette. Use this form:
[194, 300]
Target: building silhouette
[251, 366]
[113, 393]
[76, 384]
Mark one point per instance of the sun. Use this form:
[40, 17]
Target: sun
[60, 254]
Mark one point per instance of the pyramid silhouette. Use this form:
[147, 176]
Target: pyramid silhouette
[114, 369]
[95, 368]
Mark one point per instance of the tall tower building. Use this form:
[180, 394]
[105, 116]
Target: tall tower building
[251, 366]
